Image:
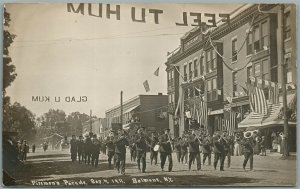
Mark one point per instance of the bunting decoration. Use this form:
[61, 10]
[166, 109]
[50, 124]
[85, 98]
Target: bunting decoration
[156, 73]
[146, 86]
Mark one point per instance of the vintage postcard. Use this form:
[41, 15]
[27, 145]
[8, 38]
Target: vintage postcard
[145, 94]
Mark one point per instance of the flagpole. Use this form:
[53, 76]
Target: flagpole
[121, 107]
[283, 81]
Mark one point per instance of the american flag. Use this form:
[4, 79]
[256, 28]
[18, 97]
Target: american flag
[230, 122]
[257, 100]
[203, 113]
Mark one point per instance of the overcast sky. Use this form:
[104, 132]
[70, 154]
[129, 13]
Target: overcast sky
[58, 53]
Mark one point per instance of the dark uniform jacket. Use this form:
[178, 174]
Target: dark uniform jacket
[218, 146]
[96, 146]
[142, 142]
[88, 145]
[110, 144]
[165, 146]
[120, 144]
[80, 145]
[248, 145]
[73, 144]
[206, 147]
[193, 143]
[184, 145]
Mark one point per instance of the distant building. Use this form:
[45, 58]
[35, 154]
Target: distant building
[98, 126]
[149, 111]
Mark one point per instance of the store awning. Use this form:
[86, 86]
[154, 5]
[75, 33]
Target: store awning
[130, 109]
[269, 120]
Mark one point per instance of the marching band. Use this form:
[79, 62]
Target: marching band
[188, 148]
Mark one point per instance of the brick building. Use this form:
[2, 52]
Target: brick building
[247, 47]
[149, 111]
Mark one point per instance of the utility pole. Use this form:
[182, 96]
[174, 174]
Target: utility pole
[283, 84]
[121, 107]
[91, 127]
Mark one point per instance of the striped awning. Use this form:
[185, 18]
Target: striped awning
[259, 120]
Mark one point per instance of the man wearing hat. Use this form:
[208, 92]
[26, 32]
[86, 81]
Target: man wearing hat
[120, 151]
[80, 147]
[88, 149]
[219, 152]
[153, 153]
[194, 151]
[248, 144]
[95, 150]
[110, 148]
[206, 149]
[166, 150]
[184, 148]
[73, 148]
[141, 147]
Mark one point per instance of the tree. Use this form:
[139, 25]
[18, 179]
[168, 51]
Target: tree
[9, 74]
[75, 120]
[18, 118]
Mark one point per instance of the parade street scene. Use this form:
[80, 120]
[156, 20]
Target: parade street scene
[154, 95]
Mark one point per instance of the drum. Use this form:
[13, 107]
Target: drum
[156, 147]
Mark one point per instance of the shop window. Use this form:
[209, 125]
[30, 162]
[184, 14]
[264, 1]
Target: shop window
[234, 49]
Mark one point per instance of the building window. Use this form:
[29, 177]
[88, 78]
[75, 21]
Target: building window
[201, 66]
[208, 58]
[256, 42]
[195, 68]
[212, 89]
[264, 35]
[234, 83]
[185, 72]
[234, 49]
[249, 73]
[257, 70]
[211, 60]
[190, 71]
[265, 70]
[249, 43]
[287, 27]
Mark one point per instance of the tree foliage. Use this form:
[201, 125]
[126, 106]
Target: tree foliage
[9, 74]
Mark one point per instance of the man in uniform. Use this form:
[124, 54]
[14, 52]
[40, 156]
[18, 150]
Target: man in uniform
[218, 151]
[166, 149]
[88, 148]
[194, 151]
[132, 147]
[206, 149]
[184, 148]
[142, 142]
[177, 148]
[73, 148]
[95, 150]
[110, 148]
[153, 154]
[227, 147]
[120, 151]
[248, 142]
[80, 147]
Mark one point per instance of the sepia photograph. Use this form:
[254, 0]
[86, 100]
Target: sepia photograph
[149, 95]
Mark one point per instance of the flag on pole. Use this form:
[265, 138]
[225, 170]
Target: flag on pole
[260, 102]
[230, 121]
[146, 86]
[203, 113]
[156, 73]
